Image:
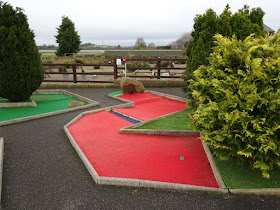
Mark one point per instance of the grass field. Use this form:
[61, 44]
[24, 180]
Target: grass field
[143, 52]
[118, 52]
[47, 54]
[45, 103]
[235, 176]
[52, 54]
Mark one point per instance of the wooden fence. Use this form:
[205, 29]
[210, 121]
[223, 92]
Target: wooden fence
[158, 68]
[75, 70]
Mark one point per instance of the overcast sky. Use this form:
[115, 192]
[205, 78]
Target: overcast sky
[121, 22]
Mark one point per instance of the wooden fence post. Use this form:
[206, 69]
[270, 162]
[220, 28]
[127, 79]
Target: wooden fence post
[115, 69]
[158, 65]
[74, 74]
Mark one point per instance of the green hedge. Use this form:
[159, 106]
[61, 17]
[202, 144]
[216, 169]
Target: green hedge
[239, 100]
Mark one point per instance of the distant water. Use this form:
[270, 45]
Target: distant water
[100, 51]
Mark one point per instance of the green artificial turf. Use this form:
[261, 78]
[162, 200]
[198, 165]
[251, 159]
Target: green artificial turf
[115, 93]
[120, 92]
[237, 176]
[178, 121]
[45, 103]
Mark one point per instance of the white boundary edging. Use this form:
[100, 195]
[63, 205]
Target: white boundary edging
[177, 98]
[90, 102]
[18, 104]
[155, 184]
[215, 170]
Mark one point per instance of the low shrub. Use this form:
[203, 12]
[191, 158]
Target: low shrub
[164, 64]
[183, 62]
[79, 61]
[238, 98]
[62, 69]
[164, 47]
[137, 65]
[96, 67]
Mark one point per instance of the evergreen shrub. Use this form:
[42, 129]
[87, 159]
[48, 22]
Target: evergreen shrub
[164, 64]
[137, 65]
[62, 69]
[79, 61]
[67, 38]
[21, 72]
[164, 47]
[241, 24]
[238, 97]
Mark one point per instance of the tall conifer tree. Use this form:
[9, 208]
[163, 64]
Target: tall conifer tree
[241, 24]
[21, 72]
[67, 38]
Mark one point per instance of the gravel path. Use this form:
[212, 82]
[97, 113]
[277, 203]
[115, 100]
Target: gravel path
[43, 171]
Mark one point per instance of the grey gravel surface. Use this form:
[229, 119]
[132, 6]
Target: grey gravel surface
[43, 171]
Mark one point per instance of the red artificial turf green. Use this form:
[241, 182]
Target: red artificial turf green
[146, 157]
[149, 106]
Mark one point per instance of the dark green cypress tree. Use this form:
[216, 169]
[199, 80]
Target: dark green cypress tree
[224, 24]
[241, 24]
[246, 22]
[201, 46]
[67, 38]
[21, 72]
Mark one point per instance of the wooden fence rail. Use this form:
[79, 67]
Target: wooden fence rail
[115, 74]
[158, 67]
[74, 72]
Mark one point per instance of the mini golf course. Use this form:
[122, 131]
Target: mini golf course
[46, 103]
[167, 159]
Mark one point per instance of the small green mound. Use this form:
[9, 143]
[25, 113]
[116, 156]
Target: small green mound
[178, 121]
